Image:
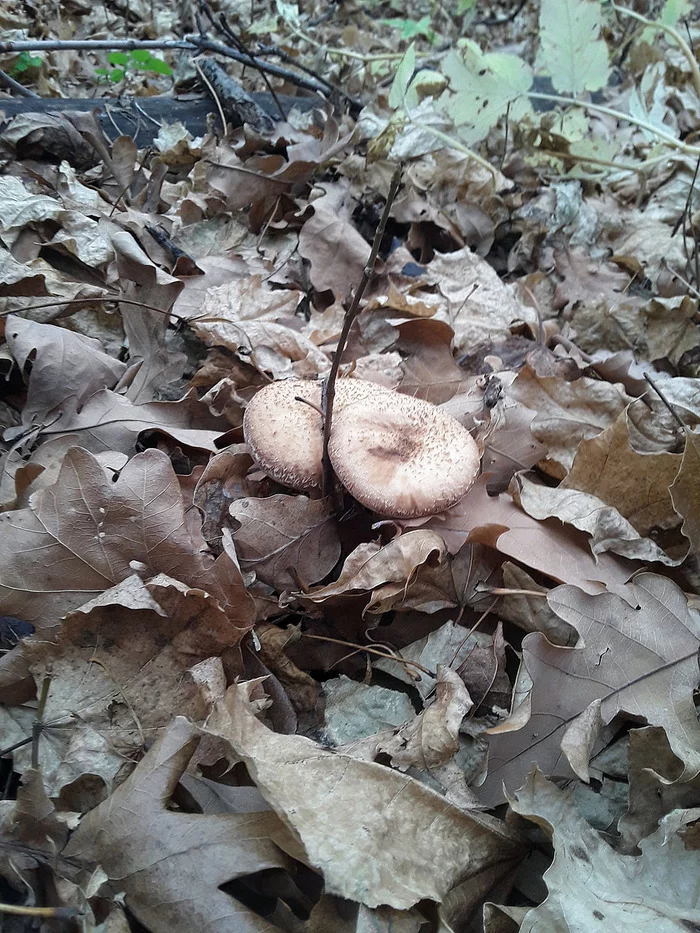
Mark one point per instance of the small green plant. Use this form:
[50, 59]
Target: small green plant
[24, 63]
[410, 28]
[137, 60]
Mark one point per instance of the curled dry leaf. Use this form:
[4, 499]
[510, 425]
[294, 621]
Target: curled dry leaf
[386, 827]
[592, 887]
[654, 791]
[609, 530]
[286, 540]
[639, 661]
[118, 668]
[248, 314]
[479, 305]
[560, 553]
[567, 412]
[685, 490]
[330, 241]
[432, 737]
[387, 572]
[607, 466]
[510, 444]
[67, 368]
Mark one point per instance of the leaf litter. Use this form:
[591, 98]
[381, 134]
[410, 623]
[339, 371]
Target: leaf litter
[229, 705]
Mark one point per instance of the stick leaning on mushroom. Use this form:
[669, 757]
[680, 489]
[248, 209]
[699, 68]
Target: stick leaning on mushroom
[397, 455]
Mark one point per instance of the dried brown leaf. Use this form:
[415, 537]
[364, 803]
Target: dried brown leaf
[286, 540]
[386, 827]
[171, 865]
[685, 490]
[639, 661]
[432, 737]
[332, 244]
[592, 887]
[567, 412]
[560, 553]
[66, 368]
[119, 667]
[86, 532]
[386, 572]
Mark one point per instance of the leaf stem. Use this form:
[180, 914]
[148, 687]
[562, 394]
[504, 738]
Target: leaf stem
[673, 33]
[617, 115]
[381, 654]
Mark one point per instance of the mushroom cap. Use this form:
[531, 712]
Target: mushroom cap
[401, 456]
[284, 434]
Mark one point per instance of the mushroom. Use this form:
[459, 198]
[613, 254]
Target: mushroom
[397, 455]
[285, 435]
[401, 456]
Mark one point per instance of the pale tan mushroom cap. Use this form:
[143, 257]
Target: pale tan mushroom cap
[284, 435]
[402, 456]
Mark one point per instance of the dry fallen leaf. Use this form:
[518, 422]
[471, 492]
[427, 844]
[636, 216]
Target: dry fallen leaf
[119, 667]
[387, 572]
[432, 738]
[386, 826]
[639, 661]
[286, 540]
[560, 553]
[66, 368]
[171, 865]
[685, 490]
[591, 887]
[87, 532]
[567, 413]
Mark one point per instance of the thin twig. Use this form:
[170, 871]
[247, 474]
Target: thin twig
[616, 115]
[381, 654]
[506, 591]
[350, 315]
[222, 26]
[666, 402]
[213, 93]
[673, 33]
[472, 630]
[107, 298]
[190, 43]
[9, 82]
[58, 913]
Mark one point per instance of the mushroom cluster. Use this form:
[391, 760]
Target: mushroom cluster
[397, 455]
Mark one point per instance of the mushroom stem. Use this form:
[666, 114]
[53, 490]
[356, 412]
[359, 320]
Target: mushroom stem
[328, 396]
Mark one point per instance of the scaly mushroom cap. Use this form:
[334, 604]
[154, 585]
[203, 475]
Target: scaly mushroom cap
[401, 456]
[284, 434]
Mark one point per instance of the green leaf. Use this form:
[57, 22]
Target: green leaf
[118, 58]
[156, 65]
[403, 76]
[410, 28]
[116, 75]
[482, 88]
[140, 55]
[571, 51]
[24, 62]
